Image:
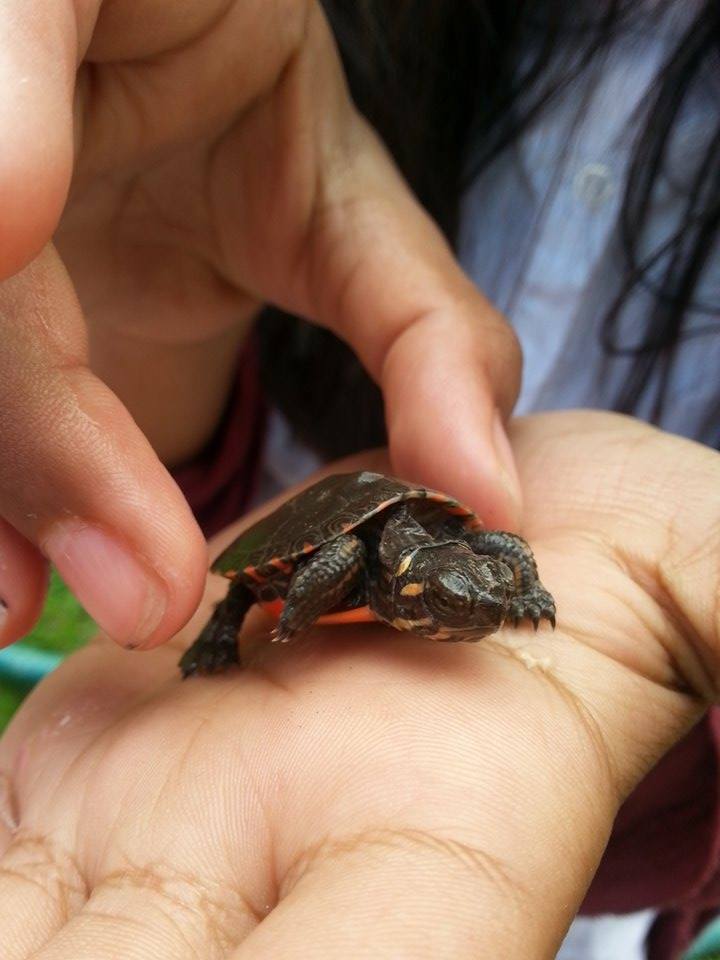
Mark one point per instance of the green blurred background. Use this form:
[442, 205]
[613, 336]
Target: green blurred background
[63, 626]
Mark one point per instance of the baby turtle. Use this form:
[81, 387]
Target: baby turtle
[363, 546]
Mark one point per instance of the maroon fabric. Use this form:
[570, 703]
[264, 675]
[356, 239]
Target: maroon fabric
[673, 931]
[665, 848]
[219, 483]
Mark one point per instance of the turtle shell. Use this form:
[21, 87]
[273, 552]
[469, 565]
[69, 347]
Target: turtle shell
[332, 506]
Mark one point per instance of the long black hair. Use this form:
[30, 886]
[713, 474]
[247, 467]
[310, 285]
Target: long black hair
[479, 72]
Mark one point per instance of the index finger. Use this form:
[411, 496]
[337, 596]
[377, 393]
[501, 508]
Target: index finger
[447, 361]
[328, 229]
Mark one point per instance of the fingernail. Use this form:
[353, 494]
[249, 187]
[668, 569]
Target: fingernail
[508, 471]
[120, 594]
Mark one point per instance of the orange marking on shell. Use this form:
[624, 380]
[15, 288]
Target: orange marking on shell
[230, 574]
[400, 623]
[254, 575]
[307, 547]
[274, 609]
[356, 615]
[458, 510]
[281, 565]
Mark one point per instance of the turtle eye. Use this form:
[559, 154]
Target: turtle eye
[450, 595]
[442, 601]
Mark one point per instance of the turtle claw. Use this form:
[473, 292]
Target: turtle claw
[281, 634]
[536, 605]
[205, 657]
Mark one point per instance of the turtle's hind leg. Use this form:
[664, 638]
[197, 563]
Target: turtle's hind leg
[216, 647]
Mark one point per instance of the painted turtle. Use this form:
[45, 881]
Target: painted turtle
[363, 546]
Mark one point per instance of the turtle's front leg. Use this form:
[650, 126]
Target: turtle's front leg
[216, 647]
[529, 597]
[320, 584]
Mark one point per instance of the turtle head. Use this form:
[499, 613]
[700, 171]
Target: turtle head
[456, 595]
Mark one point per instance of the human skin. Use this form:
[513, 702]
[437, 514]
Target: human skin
[192, 160]
[364, 792]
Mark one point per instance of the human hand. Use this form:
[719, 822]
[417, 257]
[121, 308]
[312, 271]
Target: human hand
[216, 162]
[366, 793]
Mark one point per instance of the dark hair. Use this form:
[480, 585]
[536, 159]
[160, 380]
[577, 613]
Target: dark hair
[478, 72]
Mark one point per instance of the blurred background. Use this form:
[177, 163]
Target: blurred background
[63, 627]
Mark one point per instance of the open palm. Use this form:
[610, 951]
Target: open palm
[368, 793]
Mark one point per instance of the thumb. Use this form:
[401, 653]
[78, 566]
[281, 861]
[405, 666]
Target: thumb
[79, 480]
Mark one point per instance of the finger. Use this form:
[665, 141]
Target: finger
[44, 114]
[23, 583]
[368, 263]
[448, 363]
[38, 57]
[690, 573]
[40, 888]
[77, 477]
[445, 410]
[666, 510]
[153, 913]
[143, 52]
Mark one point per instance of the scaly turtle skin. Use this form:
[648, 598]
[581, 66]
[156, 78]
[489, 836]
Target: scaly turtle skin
[362, 546]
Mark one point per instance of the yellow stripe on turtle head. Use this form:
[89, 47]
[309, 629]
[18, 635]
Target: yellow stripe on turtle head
[400, 623]
[412, 589]
[404, 564]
